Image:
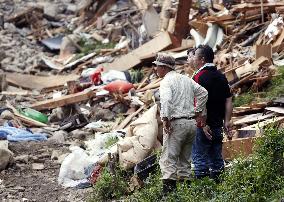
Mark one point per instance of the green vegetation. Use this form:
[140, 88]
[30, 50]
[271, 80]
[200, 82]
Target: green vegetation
[110, 141]
[274, 89]
[257, 178]
[109, 186]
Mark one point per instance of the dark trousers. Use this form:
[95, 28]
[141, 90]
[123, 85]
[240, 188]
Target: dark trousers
[207, 154]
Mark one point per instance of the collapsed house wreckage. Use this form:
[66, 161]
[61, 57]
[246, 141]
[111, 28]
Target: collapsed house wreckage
[94, 74]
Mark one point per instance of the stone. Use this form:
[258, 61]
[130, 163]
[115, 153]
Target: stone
[6, 156]
[55, 154]
[58, 137]
[103, 114]
[51, 10]
[37, 166]
[22, 158]
[7, 115]
[120, 108]
[79, 134]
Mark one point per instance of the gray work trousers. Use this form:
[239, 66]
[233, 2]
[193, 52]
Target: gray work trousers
[175, 159]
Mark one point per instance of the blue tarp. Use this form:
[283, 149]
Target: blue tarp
[13, 134]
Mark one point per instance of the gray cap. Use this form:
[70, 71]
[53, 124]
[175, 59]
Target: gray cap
[164, 59]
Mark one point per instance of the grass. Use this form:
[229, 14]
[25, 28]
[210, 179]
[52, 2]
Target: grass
[273, 90]
[260, 177]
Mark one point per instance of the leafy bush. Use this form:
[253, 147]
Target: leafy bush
[109, 186]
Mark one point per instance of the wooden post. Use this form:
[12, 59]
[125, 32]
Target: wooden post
[182, 26]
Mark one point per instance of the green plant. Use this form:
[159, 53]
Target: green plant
[109, 186]
[110, 141]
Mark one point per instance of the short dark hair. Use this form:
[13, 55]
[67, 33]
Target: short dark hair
[207, 53]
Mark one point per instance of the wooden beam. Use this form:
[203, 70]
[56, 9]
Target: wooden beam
[128, 119]
[132, 59]
[38, 82]
[62, 101]
[182, 17]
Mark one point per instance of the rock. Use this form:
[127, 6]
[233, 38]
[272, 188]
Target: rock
[79, 134]
[51, 10]
[6, 158]
[37, 166]
[6, 115]
[55, 154]
[104, 114]
[22, 158]
[58, 137]
[120, 108]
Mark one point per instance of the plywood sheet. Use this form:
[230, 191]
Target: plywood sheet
[38, 82]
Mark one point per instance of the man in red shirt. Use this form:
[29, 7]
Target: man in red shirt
[207, 148]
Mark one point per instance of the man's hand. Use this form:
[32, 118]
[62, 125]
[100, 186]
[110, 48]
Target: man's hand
[167, 126]
[207, 132]
[200, 120]
[228, 130]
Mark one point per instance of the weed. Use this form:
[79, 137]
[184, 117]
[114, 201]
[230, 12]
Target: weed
[109, 186]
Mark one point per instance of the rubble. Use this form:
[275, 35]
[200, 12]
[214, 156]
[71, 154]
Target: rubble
[61, 57]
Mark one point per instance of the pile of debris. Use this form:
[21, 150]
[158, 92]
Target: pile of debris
[89, 72]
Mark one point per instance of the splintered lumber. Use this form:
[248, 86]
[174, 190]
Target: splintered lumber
[238, 147]
[38, 82]
[182, 18]
[253, 118]
[279, 110]
[128, 119]
[253, 67]
[132, 59]
[64, 100]
[278, 44]
[258, 126]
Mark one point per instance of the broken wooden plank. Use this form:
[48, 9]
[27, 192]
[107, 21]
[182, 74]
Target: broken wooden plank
[182, 17]
[238, 147]
[260, 125]
[62, 101]
[253, 118]
[38, 82]
[279, 110]
[278, 44]
[132, 59]
[253, 67]
[128, 119]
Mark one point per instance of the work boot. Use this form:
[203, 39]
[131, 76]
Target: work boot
[201, 176]
[216, 176]
[169, 186]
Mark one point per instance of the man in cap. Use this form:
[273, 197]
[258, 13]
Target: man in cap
[207, 147]
[177, 112]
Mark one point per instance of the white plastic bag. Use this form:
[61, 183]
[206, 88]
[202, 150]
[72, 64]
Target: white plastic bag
[72, 168]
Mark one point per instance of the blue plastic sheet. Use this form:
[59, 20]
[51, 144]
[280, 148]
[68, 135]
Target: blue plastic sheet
[13, 134]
